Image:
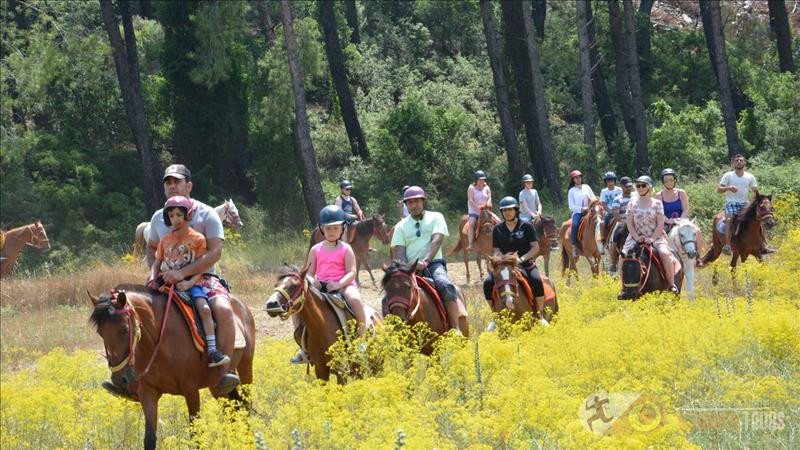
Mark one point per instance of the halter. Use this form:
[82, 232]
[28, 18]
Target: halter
[760, 216]
[36, 241]
[290, 299]
[402, 302]
[135, 322]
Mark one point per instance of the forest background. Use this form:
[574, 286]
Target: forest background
[215, 92]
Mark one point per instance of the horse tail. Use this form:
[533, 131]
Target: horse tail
[564, 260]
[138, 241]
[456, 248]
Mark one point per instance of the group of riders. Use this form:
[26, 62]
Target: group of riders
[186, 239]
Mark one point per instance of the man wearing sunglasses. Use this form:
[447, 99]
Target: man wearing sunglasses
[418, 237]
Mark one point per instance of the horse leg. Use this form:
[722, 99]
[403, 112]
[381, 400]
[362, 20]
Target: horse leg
[369, 270]
[192, 403]
[465, 253]
[149, 399]
[478, 262]
[546, 258]
[688, 269]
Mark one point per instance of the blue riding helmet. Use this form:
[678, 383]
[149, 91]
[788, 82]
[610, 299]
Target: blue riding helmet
[345, 184]
[509, 202]
[331, 215]
[479, 175]
[609, 176]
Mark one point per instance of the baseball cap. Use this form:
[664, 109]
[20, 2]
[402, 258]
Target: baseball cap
[178, 171]
[626, 181]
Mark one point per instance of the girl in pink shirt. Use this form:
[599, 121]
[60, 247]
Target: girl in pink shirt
[332, 263]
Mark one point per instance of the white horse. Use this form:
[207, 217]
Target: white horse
[227, 213]
[685, 240]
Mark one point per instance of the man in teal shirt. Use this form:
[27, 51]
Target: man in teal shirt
[418, 237]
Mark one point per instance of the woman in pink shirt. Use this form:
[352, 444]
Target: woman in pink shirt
[478, 196]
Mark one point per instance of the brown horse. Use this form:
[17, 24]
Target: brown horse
[587, 246]
[482, 244]
[510, 294]
[651, 276]
[747, 237]
[151, 353]
[293, 295]
[548, 237]
[413, 304]
[364, 231]
[13, 241]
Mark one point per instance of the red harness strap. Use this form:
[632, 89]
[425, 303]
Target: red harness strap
[170, 295]
[436, 298]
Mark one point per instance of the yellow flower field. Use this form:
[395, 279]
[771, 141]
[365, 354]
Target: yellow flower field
[721, 371]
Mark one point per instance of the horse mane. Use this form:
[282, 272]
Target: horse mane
[364, 227]
[288, 269]
[748, 213]
[104, 307]
[394, 267]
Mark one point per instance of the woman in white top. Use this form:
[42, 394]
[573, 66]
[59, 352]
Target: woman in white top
[579, 195]
[530, 206]
[478, 196]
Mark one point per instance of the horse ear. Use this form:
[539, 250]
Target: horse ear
[122, 299]
[92, 297]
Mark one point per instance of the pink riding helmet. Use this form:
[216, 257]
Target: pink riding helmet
[413, 192]
[178, 202]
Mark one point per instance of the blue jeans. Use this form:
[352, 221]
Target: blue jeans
[576, 221]
[437, 270]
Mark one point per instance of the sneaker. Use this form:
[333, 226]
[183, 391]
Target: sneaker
[217, 358]
[766, 250]
[612, 268]
[727, 249]
[574, 253]
[228, 383]
[674, 289]
[544, 322]
[491, 326]
[602, 248]
[301, 357]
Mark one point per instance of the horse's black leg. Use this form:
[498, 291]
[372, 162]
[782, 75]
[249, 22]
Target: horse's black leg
[149, 401]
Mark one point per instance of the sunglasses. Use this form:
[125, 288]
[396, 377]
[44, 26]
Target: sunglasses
[416, 225]
[641, 186]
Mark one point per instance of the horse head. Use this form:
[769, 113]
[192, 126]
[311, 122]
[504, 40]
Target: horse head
[288, 296]
[230, 215]
[550, 230]
[687, 233]
[765, 213]
[505, 280]
[402, 290]
[118, 325]
[379, 229]
[39, 236]
[595, 211]
[485, 223]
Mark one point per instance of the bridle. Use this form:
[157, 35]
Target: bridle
[36, 241]
[410, 305]
[764, 211]
[292, 307]
[379, 230]
[511, 286]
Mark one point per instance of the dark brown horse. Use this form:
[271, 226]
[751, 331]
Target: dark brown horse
[413, 304]
[747, 237]
[587, 244]
[510, 294]
[293, 295]
[651, 276]
[482, 244]
[150, 350]
[359, 239]
[13, 241]
[548, 239]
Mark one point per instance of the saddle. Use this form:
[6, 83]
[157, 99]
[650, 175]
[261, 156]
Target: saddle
[350, 230]
[635, 276]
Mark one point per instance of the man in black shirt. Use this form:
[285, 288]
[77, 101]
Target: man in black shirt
[514, 235]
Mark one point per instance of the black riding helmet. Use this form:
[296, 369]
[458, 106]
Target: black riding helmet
[479, 175]
[509, 202]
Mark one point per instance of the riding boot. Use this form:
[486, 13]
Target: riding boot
[228, 383]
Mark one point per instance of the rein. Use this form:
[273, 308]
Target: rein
[36, 241]
[402, 302]
[512, 282]
[291, 299]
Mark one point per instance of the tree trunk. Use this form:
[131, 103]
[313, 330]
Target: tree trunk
[265, 21]
[539, 14]
[127, 66]
[351, 13]
[515, 166]
[548, 158]
[608, 123]
[723, 80]
[779, 22]
[740, 100]
[333, 51]
[621, 68]
[581, 7]
[643, 33]
[304, 148]
[642, 157]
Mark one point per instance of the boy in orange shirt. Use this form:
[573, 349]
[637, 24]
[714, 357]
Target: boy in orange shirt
[180, 248]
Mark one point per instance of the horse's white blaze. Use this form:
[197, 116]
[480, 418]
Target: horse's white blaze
[684, 238]
[508, 298]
